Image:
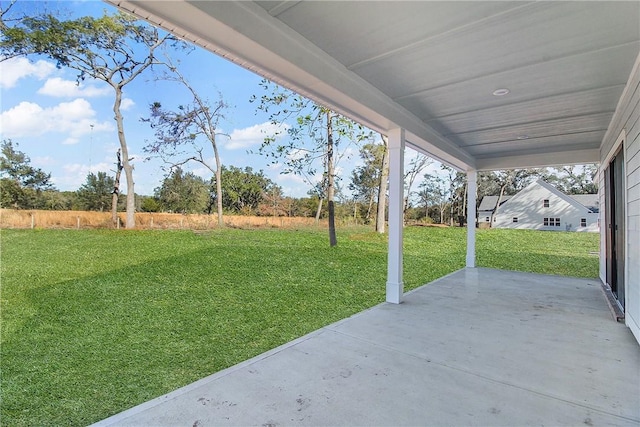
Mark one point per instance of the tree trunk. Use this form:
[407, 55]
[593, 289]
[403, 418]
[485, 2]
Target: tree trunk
[218, 181]
[126, 165]
[495, 211]
[219, 193]
[464, 204]
[509, 178]
[382, 189]
[451, 214]
[116, 190]
[319, 210]
[333, 241]
[405, 206]
[369, 209]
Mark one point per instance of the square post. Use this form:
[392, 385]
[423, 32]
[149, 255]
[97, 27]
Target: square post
[395, 286]
[471, 217]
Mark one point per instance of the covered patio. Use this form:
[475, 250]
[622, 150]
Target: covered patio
[477, 347]
[478, 86]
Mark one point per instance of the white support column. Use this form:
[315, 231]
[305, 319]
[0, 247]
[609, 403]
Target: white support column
[395, 286]
[471, 218]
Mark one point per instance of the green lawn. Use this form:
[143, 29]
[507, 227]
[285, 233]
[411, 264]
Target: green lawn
[94, 322]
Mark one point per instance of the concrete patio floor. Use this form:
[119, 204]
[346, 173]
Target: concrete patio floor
[477, 347]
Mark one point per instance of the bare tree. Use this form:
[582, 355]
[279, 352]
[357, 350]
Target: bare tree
[414, 169]
[177, 132]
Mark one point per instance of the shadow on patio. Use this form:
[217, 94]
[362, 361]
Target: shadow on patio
[477, 347]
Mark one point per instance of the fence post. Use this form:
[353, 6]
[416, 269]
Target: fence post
[78, 222]
[33, 220]
[118, 223]
[151, 223]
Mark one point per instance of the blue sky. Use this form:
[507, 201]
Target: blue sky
[68, 130]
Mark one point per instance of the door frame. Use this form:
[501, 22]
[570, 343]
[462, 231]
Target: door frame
[617, 150]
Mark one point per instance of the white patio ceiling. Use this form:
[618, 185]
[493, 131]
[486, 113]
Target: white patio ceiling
[432, 67]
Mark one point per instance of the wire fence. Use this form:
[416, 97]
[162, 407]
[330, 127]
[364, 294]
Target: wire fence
[10, 218]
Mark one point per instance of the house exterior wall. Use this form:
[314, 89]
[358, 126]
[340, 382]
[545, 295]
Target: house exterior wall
[484, 216]
[625, 128]
[528, 207]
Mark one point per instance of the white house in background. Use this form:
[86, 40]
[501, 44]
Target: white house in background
[541, 206]
[487, 208]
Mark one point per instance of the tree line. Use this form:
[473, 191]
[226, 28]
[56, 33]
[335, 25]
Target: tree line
[437, 198]
[245, 191]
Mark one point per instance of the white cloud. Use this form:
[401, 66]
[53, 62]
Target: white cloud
[75, 174]
[71, 141]
[74, 118]
[78, 168]
[43, 161]
[296, 185]
[15, 69]
[254, 135]
[203, 173]
[127, 103]
[70, 89]
[291, 178]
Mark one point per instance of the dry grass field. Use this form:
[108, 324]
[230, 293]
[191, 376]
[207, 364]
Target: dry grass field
[10, 218]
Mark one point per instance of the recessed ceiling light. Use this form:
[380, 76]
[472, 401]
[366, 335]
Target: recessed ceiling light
[521, 137]
[501, 92]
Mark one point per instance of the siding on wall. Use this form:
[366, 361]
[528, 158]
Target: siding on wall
[528, 208]
[627, 118]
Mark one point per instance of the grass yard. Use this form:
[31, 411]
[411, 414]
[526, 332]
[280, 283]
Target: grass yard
[94, 322]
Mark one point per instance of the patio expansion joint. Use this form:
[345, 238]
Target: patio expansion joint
[484, 377]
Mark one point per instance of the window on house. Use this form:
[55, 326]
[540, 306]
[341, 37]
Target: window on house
[583, 222]
[515, 219]
[487, 219]
[494, 219]
[545, 203]
[551, 222]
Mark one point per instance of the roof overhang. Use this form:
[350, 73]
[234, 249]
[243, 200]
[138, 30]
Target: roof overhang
[432, 67]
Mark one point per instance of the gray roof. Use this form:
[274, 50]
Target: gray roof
[590, 201]
[488, 203]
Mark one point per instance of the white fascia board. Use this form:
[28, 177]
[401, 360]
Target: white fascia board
[247, 35]
[522, 161]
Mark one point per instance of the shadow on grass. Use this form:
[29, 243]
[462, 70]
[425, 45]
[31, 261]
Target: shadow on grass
[97, 345]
